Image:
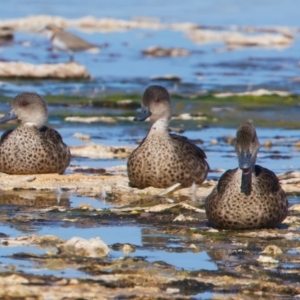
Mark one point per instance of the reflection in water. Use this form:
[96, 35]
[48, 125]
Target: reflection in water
[33, 198]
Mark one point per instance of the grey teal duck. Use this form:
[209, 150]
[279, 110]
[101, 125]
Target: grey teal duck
[163, 159]
[250, 196]
[32, 147]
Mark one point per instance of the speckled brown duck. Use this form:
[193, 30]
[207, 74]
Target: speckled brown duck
[249, 196]
[31, 148]
[163, 159]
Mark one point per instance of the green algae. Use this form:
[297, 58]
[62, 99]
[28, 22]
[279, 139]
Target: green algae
[229, 111]
[264, 111]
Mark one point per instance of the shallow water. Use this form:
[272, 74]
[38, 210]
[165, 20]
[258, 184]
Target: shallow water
[281, 157]
[121, 67]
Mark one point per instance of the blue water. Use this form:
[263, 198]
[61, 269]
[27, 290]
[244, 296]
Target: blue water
[220, 156]
[206, 12]
[121, 65]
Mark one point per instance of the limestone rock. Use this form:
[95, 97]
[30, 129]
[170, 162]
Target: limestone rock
[93, 247]
[27, 70]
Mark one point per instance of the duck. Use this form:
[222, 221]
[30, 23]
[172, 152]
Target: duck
[32, 147]
[66, 41]
[163, 159]
[250, 196]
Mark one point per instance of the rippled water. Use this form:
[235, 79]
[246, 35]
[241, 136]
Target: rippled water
[122, 67]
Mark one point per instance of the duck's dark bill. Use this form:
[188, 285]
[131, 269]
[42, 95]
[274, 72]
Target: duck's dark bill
[143, 115]
[9, 116]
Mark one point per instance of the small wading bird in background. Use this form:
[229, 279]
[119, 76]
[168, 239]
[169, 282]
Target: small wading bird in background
[66, 41]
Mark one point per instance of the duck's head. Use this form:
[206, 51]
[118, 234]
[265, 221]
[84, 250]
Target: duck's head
[155, 104]
[29, 108]
[246, 146]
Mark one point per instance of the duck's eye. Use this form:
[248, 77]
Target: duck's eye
[157, 100]
[24, 103]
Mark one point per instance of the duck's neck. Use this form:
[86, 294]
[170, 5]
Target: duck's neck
[246, 182]
[160, 126]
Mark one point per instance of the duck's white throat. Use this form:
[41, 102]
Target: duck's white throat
[160, 125]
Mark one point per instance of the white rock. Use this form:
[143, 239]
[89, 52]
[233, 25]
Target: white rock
[295, 207]
[93, 247]
[272, 250]
[171, 291]
[27, 70]
[128, 249]
[267, 260]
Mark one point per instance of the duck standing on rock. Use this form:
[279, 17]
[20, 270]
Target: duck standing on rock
[31, 148]
[248, 197]
[163, 159]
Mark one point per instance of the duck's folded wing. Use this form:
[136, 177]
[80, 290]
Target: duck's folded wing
[5, 135]
[51, 135]
[184, 141]
[225, 181]
[267, 179]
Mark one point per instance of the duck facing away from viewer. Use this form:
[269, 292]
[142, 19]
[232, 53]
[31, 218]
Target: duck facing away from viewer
[163, 159]
[250, 196]
[31, 148]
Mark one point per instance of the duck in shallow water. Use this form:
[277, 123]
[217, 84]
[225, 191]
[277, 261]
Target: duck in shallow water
[249, 196]
[31, 148]
[163, 159]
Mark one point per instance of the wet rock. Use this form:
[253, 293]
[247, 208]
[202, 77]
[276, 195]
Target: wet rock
[183, 218]
[272, 250]
[222, 109]
[127, 249]
[93, 247]
[160, 207]
[85, 206]
[267, 260]
[93, 186]
[270, 234]
[176, 129]
[167, 77]
[258, 92]
[33, 239]
[93, 150]
[6, 34]
[91, 119]
[289, 175]
[14, 279]
[190, 286]
[268, 144]
[187, 116]
[237, 40]
[295, 207]
[172, 291]
[160, 51]
[81, 136]
[291, 220]
[89, 170]
[58, 71]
